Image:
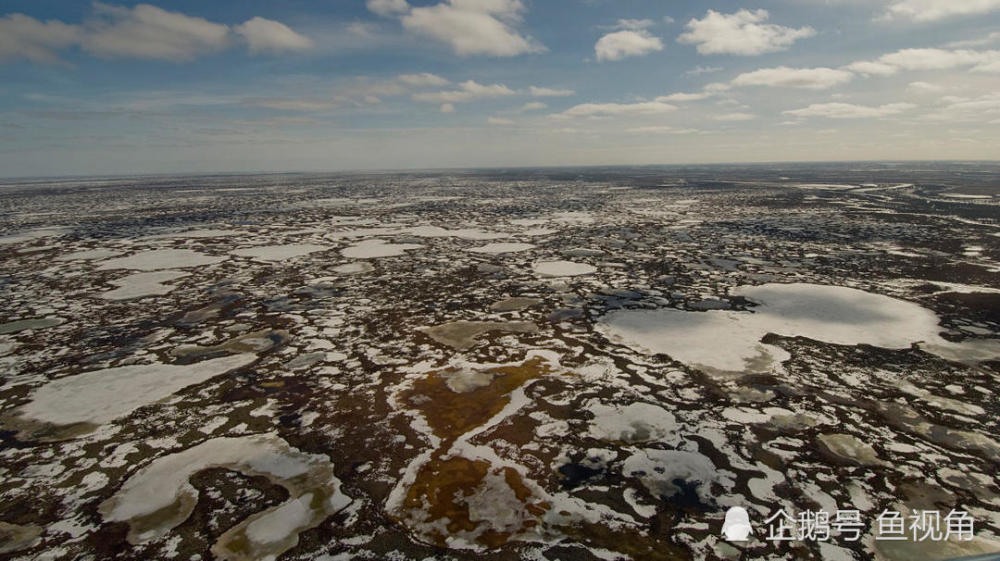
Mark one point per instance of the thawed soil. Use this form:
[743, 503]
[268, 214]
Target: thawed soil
[577, 364]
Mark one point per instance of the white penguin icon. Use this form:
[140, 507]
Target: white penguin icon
[737, 528]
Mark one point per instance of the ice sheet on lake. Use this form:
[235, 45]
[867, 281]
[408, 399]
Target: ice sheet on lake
[31, 235]
[730, 341]
[159, 497]
[463, 233]
[99, 396]
[143, 284]
[497, 248]
[563, 269]
[635, 422]
[279, 252]
[372, 249]
[88, 254]
[158, 259]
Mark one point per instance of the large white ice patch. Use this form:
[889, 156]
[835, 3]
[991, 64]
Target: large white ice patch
[730, 341]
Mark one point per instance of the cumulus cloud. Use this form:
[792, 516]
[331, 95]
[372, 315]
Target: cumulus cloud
[782, 76]
[142, 31]
[716, 87]
[470, 27]
[499, 121]
[265, 35]
[926, 87]
[447, 108]
[850, 111]
[937, 59]
[932, 10]
[423, 79]
[871, 67]
[386, 8]
[975, 109]
[146, 31]
[735, 117]
[289, 104]
[661, 129]
[549, 92]
[621, 44]
[681, 97]
[741, 33]
[613, 109]
[703, 70]
[25, 37]
[991, 39]
[533, 106]
[630, 24]
[930, 59]
[468, 91]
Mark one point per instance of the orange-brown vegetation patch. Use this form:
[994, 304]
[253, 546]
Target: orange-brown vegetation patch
[451, 414]
[445, 492]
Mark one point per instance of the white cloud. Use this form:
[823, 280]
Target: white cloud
[621, 44]
[611, 109]
[549, 92]
[447, 108]
[499, 121]
[387, 8]
[934, 59]
[142, 31]
[741, 33]
[932, 10]
[265, 35]
[930, 59]
[716, 87]
[703, 70]
[468, 91]
[633, 24]
[991, 39]
[868, 68]
[474, 27]
[850, 111]
[782, 76]
[22, 36]
[680, 97]
[735, 117]
[964, 109]
[926, 87]
[149, 32]
[661, 129]
[533, 106]
[289, 104]
[423, 79]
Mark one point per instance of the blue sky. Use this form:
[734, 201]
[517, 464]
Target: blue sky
[184, 86]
